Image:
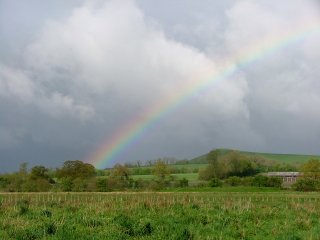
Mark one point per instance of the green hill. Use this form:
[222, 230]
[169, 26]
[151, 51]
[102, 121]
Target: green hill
[282, 158]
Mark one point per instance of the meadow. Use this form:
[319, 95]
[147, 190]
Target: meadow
[189, 176]
[149, 215]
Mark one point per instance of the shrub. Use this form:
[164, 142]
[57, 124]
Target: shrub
[260, 181]
[247, 181]
[183, 182]
[215, 182]
[264, 181]
[274, 182]
[102, 184]
[306, 184]
[66, 184]
[233, 181]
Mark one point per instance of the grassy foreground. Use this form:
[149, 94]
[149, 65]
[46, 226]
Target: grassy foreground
[160, 216]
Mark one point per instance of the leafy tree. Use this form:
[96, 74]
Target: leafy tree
[66, 184]
[76, 169]
[39, 172]
[231, 164]
[121, 172]
[215, 166]
[310, 181]
[120, 177]
[23, 169]
[239, 165]
[4, 182]
[311, 169]
[161, 170]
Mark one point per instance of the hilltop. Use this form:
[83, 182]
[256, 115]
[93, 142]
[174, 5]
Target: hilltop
[279, 157]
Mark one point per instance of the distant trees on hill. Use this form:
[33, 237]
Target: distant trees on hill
[236, 164]
[227, 169]
[232, 164]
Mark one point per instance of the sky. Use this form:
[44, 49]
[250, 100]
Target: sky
[73, 73]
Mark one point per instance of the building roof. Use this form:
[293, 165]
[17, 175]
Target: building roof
[284, 174]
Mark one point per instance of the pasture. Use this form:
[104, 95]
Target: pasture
[188, 176]
[280, 215]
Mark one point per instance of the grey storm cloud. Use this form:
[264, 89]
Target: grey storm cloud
[73, 74]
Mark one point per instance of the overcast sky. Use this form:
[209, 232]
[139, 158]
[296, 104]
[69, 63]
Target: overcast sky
[74, 72]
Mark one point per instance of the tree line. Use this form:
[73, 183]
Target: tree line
[232, 169]
[78, 176]
[235, 169]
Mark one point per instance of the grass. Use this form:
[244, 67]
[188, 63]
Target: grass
[216, 215]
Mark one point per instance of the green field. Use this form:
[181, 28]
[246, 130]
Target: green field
[189, 176]
[282, 158]
[186, 167]
[160, 216]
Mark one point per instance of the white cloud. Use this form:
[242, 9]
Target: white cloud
[15, 84]
[108, 48]
[91, 72]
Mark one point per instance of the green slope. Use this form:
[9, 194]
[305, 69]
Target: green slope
[282, 158]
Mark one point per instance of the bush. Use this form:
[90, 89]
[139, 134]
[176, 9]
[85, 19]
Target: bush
[184, 182]
[66, 184]
[247, 181]
[260, 181]
[234, 181]
[264, 181]
[274, 182]
[306, 184]
[102, 184]
[215, 182]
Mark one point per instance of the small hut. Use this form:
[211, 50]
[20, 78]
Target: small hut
[288, 178]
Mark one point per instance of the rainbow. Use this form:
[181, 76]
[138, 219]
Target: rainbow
[136, 127]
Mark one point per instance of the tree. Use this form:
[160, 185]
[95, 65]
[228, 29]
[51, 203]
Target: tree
[76, 169]
[311, 169]
[39, 172]
[310, 180]
[161, 170]
[119, 177]
[214, 168]
[231, 164]
[121, 172]
[214, 164]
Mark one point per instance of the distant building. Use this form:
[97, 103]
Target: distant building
[288, 178]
